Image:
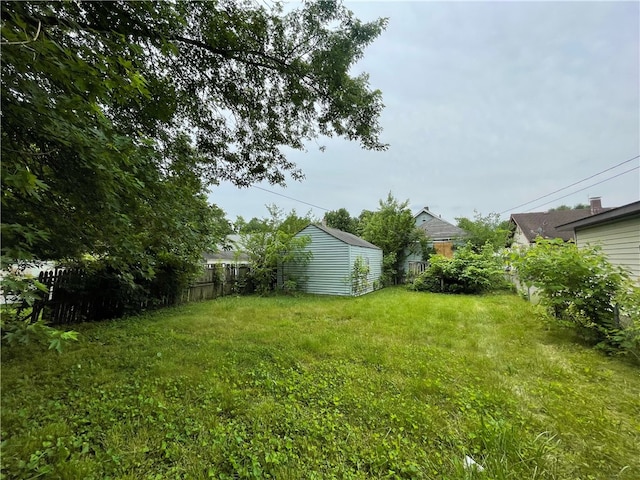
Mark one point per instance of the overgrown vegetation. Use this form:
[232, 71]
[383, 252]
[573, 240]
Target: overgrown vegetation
[359, 278]
[272, 242]
[467, 271]
[394, 384]
[20, 293]
[485, 229]
[118, 117]
[580, 286]
[393, 229]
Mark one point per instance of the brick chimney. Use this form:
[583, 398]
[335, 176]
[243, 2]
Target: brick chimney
[595, 203]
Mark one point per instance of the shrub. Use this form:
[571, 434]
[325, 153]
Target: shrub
[581, 286]
[359, 278]
[466, 272]
[17, 326]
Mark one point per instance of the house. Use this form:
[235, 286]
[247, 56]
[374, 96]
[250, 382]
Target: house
[231, 253]
[616, 230]
[442, 237]
[334, 257]
[442, 234]
[529, 226]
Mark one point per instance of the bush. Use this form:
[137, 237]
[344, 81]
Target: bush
[581, 286]
[17, 326]
[466, 272]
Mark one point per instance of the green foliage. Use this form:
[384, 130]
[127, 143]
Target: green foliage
[99, 110]
[272, 245]
[467, 272]
[359, 278]
[578, 206]
[581, 286]
[486, 229]
[17, 327]
[342, 220]
[117, 118]
[392, 228]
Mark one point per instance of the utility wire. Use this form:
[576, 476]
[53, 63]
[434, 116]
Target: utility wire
[589, 186]
[290, 198]
[572, 185]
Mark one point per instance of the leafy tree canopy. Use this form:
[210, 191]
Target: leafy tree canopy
[275, 242]
[578, 206]
[393, 229]
[117, 116]
[342, 220]
[485, 229]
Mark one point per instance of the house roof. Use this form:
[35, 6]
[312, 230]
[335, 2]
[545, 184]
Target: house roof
[345, 237]
[545, 224]
[230, 250]
[438, 229]
[629, 210]
[226, 255]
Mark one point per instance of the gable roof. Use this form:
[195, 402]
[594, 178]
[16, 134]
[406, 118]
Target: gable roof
[545, 224]
[438, 229]
[629, 210]
[345, 237]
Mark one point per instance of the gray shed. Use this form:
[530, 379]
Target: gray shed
[330, 270]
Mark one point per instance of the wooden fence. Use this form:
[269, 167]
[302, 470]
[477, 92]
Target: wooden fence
[218, 281]
[68, 302]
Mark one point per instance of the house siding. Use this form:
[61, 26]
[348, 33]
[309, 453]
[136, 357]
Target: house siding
[519, 238]
[373, 258]
[620, 241]
[328, 272]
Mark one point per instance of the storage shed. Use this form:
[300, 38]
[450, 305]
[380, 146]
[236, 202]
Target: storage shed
[330, 271]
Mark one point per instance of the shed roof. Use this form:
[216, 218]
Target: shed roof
[345, 237]
[629, 210]
[544, 224]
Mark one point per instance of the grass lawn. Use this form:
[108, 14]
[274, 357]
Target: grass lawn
[394, 384]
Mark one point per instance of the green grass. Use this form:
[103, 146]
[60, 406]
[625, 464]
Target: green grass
[394, 384]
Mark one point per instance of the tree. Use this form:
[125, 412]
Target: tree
[273, 244]
[107, 106]
[393, 229]
[118, 116]
[578, 206]
[253, 225]
[342, 220]
[485, 229]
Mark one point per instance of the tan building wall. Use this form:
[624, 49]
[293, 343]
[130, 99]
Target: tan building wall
[620, 241]
[519, 238]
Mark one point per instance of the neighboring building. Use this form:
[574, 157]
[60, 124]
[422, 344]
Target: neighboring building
[232, 253]
[442, 234]
[330, 269]
[529, 226]
[442, 237]
[616, 230]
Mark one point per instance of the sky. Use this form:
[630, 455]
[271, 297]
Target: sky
[488, 105]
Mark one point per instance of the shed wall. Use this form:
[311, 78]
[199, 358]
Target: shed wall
[328, 270]
[373, 258]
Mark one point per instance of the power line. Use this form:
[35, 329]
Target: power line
[589, 186]
[572, 185]
[290, 198]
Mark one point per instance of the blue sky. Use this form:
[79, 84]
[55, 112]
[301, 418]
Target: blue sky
[488, 105]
